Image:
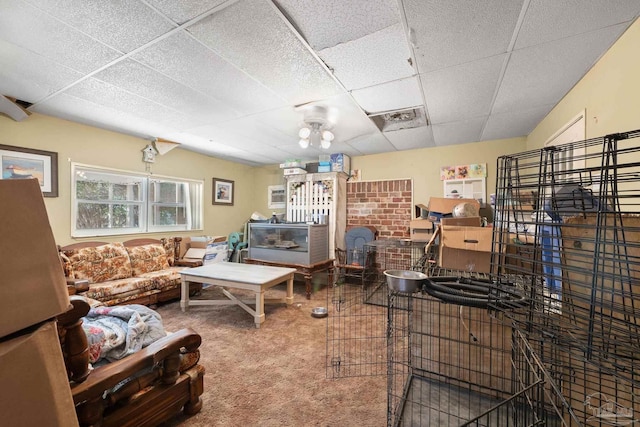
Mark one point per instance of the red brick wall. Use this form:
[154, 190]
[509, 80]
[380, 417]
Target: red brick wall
[385, 205]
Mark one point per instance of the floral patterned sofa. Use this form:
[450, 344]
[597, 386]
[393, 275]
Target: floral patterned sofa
[138, 271]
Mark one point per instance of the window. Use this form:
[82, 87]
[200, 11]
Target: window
[109, 202]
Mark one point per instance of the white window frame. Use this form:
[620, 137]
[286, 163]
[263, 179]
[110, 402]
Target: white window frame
[193, 204]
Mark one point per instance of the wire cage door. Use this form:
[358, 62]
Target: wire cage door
[568, 222]
[356, 327]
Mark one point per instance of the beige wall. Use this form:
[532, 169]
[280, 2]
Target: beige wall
[84, 144]
[423, 165]
[609, 92]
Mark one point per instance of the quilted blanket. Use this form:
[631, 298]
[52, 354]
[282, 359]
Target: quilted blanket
[118, 331]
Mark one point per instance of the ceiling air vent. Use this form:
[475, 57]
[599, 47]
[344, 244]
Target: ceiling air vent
[400, 119]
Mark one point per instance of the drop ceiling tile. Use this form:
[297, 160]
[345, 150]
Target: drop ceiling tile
[110, 96]
[146, 83]
[373, 143]
[32, 29]
[548, 20]
[463, 91]
[254, 37]
[187, 61]
[543, 74]
[514, 123]
[357, 63]
[452, 33]
[121, 24]
[84, 111]
[410, 139]
[458, 132]
[395, 95]
[327, 23]
[30, 77]
[185, 10]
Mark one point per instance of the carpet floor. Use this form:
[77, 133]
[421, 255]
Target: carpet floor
[275, 375]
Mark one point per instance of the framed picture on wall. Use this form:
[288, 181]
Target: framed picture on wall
[24, 163]
[276, 197]
[223, 191]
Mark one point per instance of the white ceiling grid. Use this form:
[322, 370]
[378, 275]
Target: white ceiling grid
[233, 78]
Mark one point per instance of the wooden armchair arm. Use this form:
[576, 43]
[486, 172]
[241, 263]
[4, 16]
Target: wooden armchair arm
[163, 354]
[73, 340]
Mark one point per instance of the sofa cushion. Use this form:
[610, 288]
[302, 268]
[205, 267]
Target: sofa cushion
[120, 288]
[147, 258]
[165, 279]
[100, 263]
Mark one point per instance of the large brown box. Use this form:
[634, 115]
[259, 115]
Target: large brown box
[465, 248]
[35, 390]
[32, 283]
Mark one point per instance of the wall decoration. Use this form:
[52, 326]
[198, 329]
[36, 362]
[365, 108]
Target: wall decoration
[223, 192]
[277, 197]
[477, 170]
[473, 170]
[447, 172]
[462, 171]
[356, 175]
[23, 163]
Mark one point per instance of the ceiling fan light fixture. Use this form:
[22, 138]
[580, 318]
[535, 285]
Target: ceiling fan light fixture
[314, 134]
[304, 132]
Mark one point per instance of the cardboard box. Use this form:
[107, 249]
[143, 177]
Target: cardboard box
[422, 211]
[420, 230]
[33, 287]
[463, 260]
[472, 221]
[466, 248]
[294, 171]
[33, 373]
[340, 163]
[440, 207]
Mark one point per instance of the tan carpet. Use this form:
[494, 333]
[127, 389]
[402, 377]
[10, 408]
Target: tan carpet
[275, 375]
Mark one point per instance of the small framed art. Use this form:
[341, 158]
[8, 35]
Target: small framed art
[223, 191]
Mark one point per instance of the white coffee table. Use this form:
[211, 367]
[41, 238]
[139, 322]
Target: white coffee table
[256, 278]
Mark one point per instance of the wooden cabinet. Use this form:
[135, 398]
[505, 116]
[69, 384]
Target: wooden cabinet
[320, 198]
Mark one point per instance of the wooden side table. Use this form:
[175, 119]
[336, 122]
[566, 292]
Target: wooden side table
[306, 270]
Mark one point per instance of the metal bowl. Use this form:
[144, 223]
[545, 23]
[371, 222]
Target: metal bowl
[319, 312]
[404, 280]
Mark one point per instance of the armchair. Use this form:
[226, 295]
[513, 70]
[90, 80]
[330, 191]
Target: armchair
[143, 389]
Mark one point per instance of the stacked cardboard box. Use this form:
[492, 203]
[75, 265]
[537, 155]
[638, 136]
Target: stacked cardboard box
[464, 244]
[466, 248]
[421, 230]
[35, 389]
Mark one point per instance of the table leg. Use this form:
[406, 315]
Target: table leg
[307, 284]
[184, 295]
[289, 298]
[259, 316]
